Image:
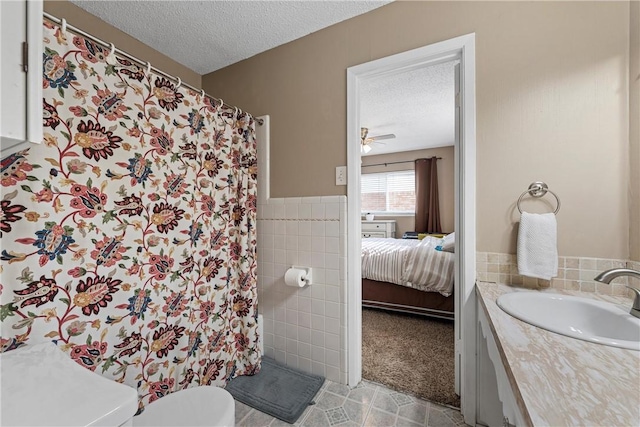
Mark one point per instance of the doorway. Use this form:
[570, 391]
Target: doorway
[461, 49]
[408, 130]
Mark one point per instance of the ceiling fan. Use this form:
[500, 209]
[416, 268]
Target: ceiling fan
[366, 141]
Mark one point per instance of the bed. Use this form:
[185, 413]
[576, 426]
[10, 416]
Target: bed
[408, 275]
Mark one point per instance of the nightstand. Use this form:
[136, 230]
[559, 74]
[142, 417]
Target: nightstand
[382, 228]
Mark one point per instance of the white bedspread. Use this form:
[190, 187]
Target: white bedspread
[406, 262]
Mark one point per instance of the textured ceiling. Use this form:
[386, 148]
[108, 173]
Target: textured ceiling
[417, 106]
[208, 35]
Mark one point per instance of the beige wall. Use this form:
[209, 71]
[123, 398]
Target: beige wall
[446, 176]
[551, 105]
[634, 131]
[98, 28]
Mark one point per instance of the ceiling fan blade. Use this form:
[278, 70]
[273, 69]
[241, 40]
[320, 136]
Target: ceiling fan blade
[366, 141]
[381, 137]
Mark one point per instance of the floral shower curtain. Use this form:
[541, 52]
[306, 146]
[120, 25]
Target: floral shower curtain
[128, 236]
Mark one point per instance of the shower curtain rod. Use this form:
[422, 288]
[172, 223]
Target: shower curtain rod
[393, 163]
[65, 26]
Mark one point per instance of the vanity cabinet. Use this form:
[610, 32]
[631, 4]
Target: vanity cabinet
[378, 229]
[496, 403]
[20, 74]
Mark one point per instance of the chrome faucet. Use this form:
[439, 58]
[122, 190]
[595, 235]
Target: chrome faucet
[609, 275]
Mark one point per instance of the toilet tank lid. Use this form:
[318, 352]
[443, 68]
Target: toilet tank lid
[42, 386]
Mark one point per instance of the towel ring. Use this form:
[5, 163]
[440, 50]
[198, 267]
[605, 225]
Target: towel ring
[539, 189]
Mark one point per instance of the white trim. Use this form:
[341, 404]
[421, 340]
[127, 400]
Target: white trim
[466, 224]
[462, 48]
[34, 75]
[263, 153]
[354, 215]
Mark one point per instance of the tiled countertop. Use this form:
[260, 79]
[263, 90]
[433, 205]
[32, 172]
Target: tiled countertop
[562, 381]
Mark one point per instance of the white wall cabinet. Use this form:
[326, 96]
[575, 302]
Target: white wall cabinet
[379, 229]
[496, 402]
[20, 74]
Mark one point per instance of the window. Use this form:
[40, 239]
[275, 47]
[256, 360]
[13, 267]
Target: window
[389, 193]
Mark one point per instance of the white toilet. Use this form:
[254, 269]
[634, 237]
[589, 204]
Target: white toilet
[42, 386]
[196, 406]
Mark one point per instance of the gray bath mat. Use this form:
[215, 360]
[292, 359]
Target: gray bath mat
[276, 390]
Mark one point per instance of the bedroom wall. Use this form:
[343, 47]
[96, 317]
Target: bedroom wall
[446, 175]
[97, 27]
[552, 100]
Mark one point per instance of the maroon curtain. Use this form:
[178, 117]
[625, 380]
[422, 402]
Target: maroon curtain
[427, 201]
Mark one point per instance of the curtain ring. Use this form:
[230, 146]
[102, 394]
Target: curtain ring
[112, 50]
[148, 67]
[221, 103]
[235, 114]
[179, 82]
[202, 92]
[63, 25]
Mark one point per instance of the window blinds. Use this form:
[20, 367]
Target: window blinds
[390, 192]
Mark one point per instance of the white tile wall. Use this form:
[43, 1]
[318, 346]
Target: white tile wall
[305, 328]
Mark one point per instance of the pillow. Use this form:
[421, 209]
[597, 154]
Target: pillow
[449, 243]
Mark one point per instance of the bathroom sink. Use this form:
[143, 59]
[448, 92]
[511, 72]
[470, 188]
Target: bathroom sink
[582, 318]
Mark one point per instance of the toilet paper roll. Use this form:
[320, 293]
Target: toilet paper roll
[295, 277]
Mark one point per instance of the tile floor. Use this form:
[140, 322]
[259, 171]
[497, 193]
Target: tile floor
[368, 404]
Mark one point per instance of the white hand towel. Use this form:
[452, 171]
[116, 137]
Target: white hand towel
[537, 246]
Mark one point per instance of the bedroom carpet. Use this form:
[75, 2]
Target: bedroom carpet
[411, 354]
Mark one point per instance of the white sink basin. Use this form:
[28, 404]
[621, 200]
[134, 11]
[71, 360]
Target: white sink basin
[581, 318]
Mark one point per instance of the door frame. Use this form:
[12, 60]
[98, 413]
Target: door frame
[462, 48]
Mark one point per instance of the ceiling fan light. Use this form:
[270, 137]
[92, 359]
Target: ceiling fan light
[365, 149]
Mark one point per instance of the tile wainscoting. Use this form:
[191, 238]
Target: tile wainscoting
[304, 328]
[574, 273]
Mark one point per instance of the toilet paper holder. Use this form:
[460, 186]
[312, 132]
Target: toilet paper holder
[307, 270]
